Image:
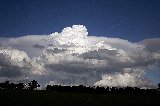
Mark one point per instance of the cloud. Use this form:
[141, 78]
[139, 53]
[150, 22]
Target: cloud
[77, 35]
[38, 46]
[152, 45]
[72, 57]
[16, 63]
[124, 79]
[115, 80]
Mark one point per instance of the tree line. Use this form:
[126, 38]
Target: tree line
[33, 85]
[104, 90]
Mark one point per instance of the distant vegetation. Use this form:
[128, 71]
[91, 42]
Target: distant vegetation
[33, 85]
[103, 90]
[21, 86]
[27, 94]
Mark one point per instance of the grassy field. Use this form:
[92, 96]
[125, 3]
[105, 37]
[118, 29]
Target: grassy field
[51, 98]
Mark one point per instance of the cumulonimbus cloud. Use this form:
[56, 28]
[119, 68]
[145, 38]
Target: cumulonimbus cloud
[72, 57]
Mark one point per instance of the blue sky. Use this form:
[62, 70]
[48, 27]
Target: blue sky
[133, 20]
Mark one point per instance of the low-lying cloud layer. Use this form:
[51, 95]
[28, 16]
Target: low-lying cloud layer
[71, 57]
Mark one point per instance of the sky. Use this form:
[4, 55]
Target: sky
[133, 20]
[81, 42]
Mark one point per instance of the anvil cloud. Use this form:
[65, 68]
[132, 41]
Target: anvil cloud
[72, 57]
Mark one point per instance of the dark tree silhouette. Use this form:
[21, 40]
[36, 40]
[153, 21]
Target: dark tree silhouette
[33, 85]
[6, 85]
[159, 86]
[104, 90]
[20, 86]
